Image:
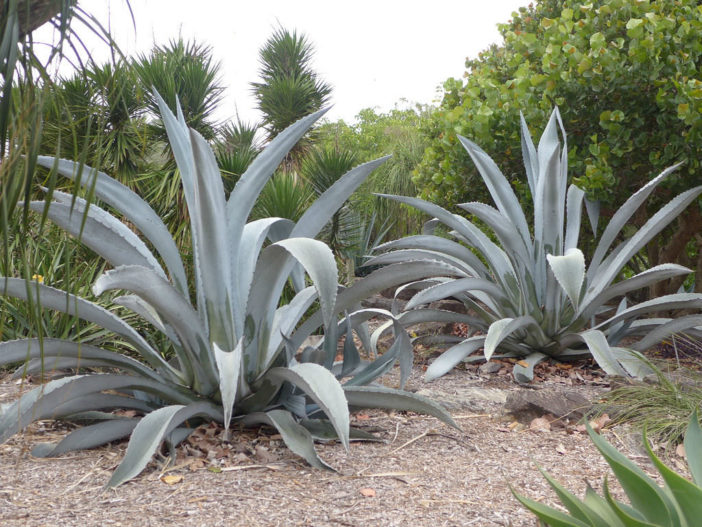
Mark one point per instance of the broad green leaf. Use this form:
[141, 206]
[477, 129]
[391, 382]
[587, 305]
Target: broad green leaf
[693, 447]
[600, 505]
[569, 270]
[579, 509]
[574, 214]
[597, 343]
[644, 494]
[524, 374]
[320, 385]
[626, 515]
[686, 494]
[296, 436]
[501, 329]
[549, 515]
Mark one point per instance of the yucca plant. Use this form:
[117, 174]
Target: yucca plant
[231, 355]
[528, 291]
[677, 504]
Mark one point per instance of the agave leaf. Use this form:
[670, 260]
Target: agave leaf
[148, 313]
[383, 278]
[597, 343]
[151, 431]
[99, 231]
[49, 297]
[644, 494]
[549, 515]
[592, 303]
[402, 255]
[610, 268]
[598, 504]
[499, 188]
[503, 328]
[524, 374]
[662, 303]
[693, 447]
[629, 515]
[322, 430]
[686, 494]
[454, 287]
[135, 209]
[320, 212]
[89, 436]
[13, 351]
[99, 402]
[569, 270]
[621, 218]
[176, 311]
[229, 366]
[452, 356]
[351, 357]
[318, 382]
[42, 402]
[296, 436]
[579, 509]
[440, 245]
[574, 213]
[390, 399]
[416, 316]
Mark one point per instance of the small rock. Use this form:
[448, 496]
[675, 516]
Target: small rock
[489, 367]
[525, 405]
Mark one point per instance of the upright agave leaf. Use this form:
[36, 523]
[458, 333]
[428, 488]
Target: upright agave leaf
[234, 356]
[530, 291]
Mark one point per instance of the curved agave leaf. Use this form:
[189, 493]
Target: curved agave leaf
[610, 268]
[644, 494]
[383, 278]
[525, 374]
[621, 218]
[318, 382]
[549, 515]
[295, 436]
[390, 399]
[501, 329]
[591, 304]
[42, 402]
[99, 231]
[499, 188]
[662, 303]
[13, 351]
[403, 255]
[86, 437]
[495, 256]
[148, 313]
[52, 298]
[574, 213]
[135, 209]
[204, 194]
[601, 351]
[452, 356]
[569, 270]
[462, 285]
[176, 311]
[151, 431]
[441, 245]
[665, 328]
[229, 366]
[693, 448]
[531, 161]
[99, 402]
[322, 430]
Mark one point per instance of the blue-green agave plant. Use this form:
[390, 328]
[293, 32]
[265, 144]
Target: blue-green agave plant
[528, 291]
[235, 351]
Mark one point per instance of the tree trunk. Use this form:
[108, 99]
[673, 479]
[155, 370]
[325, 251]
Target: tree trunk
[35, 13]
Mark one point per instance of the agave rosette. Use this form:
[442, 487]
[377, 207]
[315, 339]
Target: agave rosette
[528, 292]
[233, 353]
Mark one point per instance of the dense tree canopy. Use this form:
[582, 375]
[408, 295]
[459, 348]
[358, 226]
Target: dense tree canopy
[626, 76]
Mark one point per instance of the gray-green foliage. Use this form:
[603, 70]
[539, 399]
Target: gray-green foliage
[233, 351]
[528, 291]
[677, 504]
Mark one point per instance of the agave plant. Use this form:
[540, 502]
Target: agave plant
[528, 292]
[677, 504]
[231, 355]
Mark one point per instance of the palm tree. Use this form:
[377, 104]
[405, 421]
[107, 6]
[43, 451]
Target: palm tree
[289, 88]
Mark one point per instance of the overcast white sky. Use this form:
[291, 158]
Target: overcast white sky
[374, 53]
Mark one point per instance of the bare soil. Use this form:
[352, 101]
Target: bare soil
[422, 474]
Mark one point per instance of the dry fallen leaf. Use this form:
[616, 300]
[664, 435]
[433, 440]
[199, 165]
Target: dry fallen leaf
[368, 492]
[171, 479]
[540, 424]
[561, 449]
[522, 363]
[680, 450]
